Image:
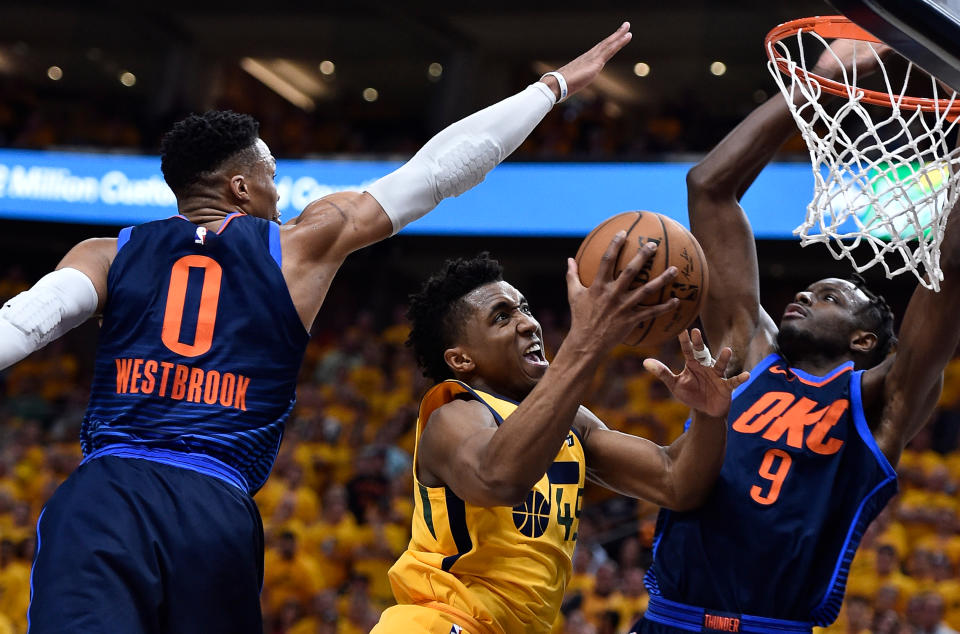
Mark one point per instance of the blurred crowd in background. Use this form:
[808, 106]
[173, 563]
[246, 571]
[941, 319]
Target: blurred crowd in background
[337, 507]
[586, 128]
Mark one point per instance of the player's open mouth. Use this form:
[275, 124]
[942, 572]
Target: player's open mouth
[534, 354]
[794, 311]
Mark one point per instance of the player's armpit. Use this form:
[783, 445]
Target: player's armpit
[452, 453]
[761, 342]
[928, 339]
[334, 226]
[315, 244]
[909, 386]
[93, 258]
[731, 314]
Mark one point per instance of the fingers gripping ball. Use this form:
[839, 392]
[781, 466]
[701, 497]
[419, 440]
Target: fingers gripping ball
[675, 247]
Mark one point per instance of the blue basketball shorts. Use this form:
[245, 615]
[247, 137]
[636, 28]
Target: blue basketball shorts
[135, 546]
[644, 626]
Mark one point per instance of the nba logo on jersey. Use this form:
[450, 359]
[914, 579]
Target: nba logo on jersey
[455, 629]
[201, 235]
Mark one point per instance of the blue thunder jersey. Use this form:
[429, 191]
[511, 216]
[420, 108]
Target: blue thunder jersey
[199, 349]
[802, 479]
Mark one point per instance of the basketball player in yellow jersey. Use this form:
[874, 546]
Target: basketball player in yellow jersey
[504, 447]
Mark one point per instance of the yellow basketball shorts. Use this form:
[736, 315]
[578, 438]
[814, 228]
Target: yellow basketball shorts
[417, 619]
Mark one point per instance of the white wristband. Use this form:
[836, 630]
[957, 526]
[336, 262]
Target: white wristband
[561, 81]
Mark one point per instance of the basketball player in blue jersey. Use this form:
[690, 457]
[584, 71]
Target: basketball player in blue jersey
[205, 320]
[503, 447]
[815, 434]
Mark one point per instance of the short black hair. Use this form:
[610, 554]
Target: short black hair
[436, 312]
[201, 143]
[878, 319]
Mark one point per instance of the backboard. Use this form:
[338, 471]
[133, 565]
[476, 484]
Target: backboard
[926, 32]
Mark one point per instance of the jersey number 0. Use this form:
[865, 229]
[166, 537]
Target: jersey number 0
[177, 299]
[775, 476]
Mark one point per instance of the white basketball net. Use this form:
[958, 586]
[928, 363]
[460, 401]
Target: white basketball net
[887, 180]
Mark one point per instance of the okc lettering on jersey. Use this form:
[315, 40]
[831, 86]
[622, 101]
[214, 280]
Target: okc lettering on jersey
[181, 382]
[781, 413]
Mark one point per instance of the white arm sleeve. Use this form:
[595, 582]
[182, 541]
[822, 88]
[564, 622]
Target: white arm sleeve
[461, 155]
[59, 302]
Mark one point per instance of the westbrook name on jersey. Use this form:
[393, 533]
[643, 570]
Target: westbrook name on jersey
[199, 351]
[195, 376]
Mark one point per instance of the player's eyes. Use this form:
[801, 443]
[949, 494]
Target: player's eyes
[830, 298]
[500, 317]
[526, 310]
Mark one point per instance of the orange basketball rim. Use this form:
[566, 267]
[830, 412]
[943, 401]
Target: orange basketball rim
[837, 26]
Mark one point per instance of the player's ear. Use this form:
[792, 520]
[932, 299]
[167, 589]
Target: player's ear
[238, 187]
[458, 360]
[863, 341]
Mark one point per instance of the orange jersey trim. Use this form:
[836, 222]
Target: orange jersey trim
[777, 369]
[227, 221]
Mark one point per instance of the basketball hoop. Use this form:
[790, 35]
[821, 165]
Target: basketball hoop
[886, 180]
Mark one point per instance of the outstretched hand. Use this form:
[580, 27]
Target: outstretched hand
[701, 387]
[844, 54]
[583, 70]
[603, 314]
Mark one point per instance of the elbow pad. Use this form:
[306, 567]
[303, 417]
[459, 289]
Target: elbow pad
[460, 156]
[59, 302]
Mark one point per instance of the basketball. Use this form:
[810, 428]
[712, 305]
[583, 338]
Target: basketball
[676, 247]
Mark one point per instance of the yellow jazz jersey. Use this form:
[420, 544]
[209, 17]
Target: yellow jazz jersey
[496, 569]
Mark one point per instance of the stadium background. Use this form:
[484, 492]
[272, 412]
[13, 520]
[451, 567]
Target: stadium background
[112, 76]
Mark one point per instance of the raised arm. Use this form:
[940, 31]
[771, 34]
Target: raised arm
[456, 159]
[909, 386]
[463, 448]
[680, 476]
[732, 315]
